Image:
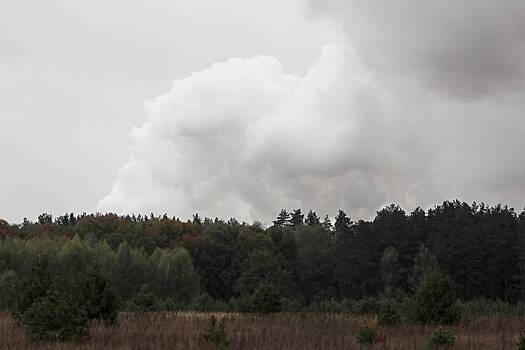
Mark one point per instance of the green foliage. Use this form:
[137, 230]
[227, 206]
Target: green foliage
[312, 219]
[407, 310]
[266, 299]
[296, 218]
[173, 275]
[367, 335]
[389, 316]
[214, 334]
[58, 307]
[205, 302]
[435, 300]
[9, 288]
[442, 338]
[312, 264]
[368, 305]
[263, 267]
[143, 301]
[481, 307]
[342, 223]
[55, 317]
[99, 296]
[283, 219]
[315, 251]
[36, 287]
[424, 263]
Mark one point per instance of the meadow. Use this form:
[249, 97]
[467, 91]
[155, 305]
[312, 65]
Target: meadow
[181, 330]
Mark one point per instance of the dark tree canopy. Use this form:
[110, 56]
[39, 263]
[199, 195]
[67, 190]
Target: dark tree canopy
[158, 262]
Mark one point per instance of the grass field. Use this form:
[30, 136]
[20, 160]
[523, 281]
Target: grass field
[170, 331]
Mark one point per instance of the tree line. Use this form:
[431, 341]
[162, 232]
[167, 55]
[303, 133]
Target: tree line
[302, 261]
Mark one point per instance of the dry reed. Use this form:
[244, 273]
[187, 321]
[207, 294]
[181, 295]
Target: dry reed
[172, 330]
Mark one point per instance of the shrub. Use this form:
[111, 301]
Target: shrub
[389, 316]
[442, 339]
[167, 304]
[291, 305]
[407, 310]
[205, 302]
[483, 307]
[266, 299]
[367, 335]
[435, 300]
[143, 301]
[242, 303]
[368, 305]
[215, 334]
[55, 317]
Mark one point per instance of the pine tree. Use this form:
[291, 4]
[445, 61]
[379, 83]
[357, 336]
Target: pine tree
[45, 219]
[327, 223]
[342, 223]
[283, 219]
[435, 300]
[297, 218]
[196, 219]
[312, 219]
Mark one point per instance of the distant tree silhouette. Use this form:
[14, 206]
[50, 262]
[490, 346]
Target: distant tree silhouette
[283, 219]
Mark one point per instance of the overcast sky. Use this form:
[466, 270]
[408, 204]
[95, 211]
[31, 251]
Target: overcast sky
[240, 108]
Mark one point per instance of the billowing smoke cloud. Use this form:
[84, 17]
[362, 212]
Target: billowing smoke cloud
[464, 48]
[413, 104]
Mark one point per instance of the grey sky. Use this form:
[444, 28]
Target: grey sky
[74, 76]
[404, 102]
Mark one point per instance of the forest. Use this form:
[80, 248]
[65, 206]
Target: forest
[301, 263]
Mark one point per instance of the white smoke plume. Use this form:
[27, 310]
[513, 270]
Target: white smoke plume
[412, 103]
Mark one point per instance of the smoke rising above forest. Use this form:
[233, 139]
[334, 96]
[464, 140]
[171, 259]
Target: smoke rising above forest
[409, 103]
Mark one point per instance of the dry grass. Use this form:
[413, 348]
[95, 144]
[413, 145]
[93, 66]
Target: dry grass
[163, 331]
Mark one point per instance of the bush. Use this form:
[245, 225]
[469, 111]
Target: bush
[167, 304]
[368, 305]
[442, 339]
[367, 335]
[55, 317]
[52, 308]
[483, 307]
[407, 310]
[291, 305]
[243, 303]
[215, 334]
[266, 299]
[435, 300]
[389, 316]
[205, 302]
[143, 301]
